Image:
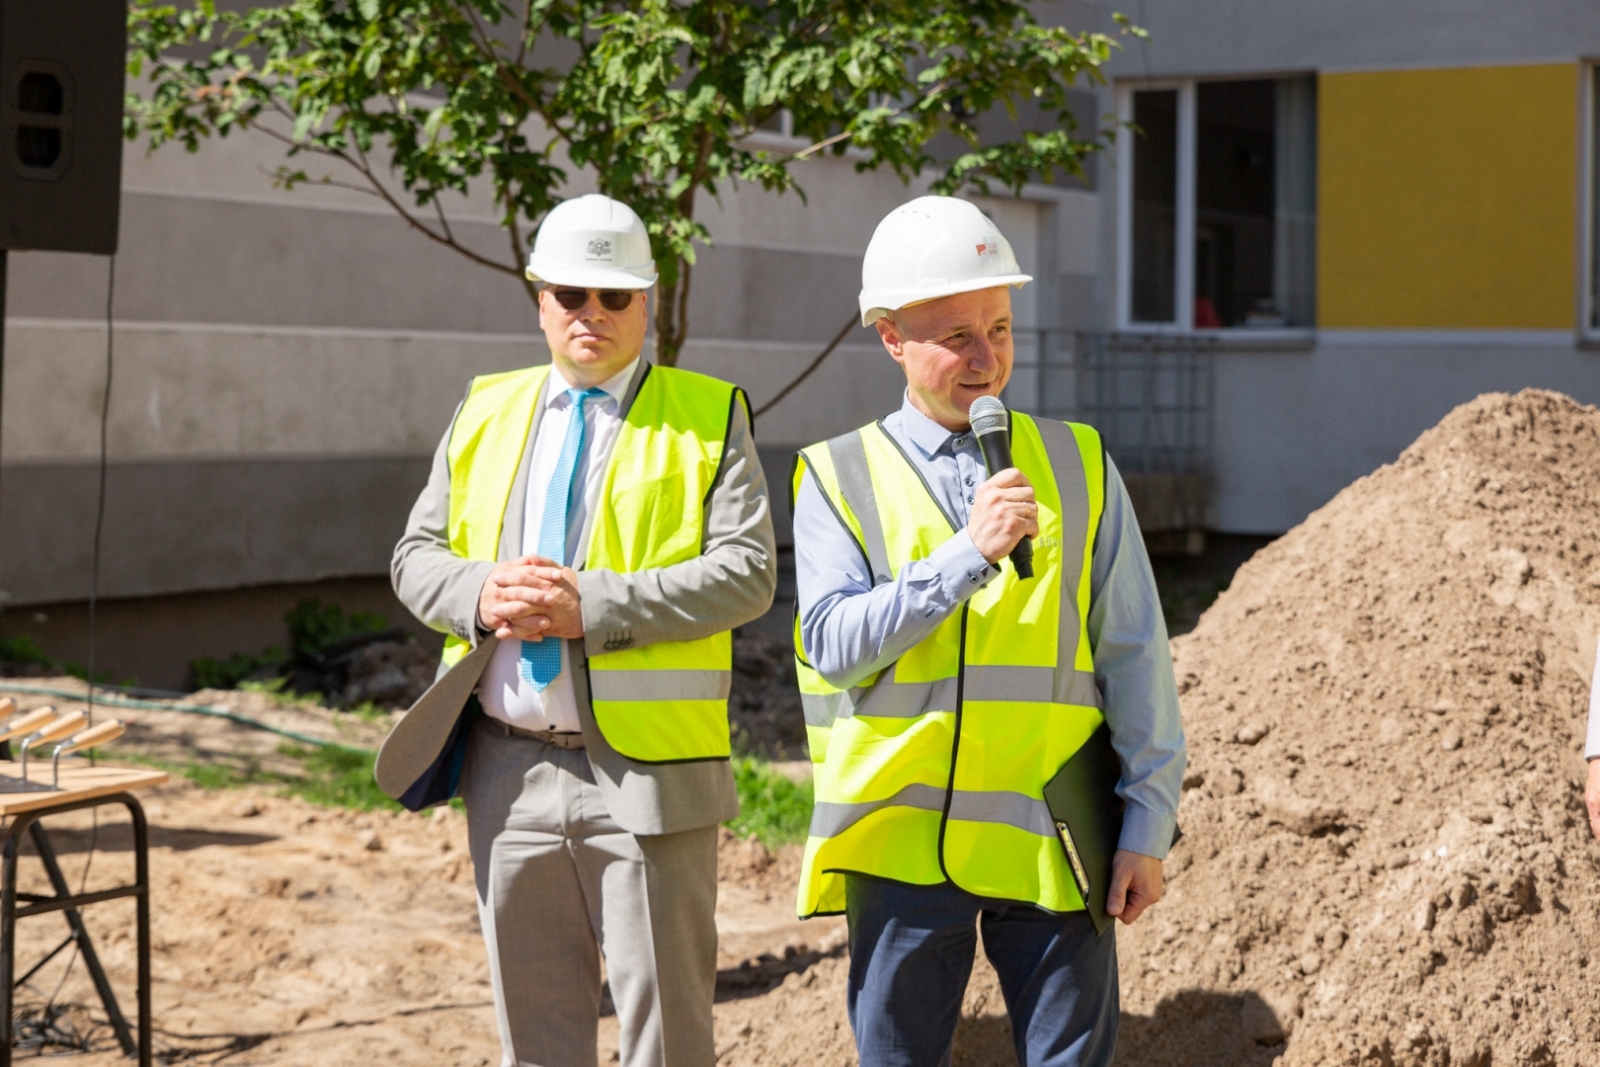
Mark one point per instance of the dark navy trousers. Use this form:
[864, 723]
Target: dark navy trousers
[911, 953]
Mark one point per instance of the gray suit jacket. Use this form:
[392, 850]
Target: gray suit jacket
[730, 583]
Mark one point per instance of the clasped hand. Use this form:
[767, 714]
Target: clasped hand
[1004, 511]
[529, 599]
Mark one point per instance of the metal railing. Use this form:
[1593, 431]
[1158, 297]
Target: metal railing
[1149, 395]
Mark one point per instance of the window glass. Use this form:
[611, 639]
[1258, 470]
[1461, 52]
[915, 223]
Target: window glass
[1255, 203]
[1234, 206]
[1155, 204]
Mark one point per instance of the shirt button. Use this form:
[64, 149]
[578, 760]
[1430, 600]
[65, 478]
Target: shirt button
[969, 481]
[974, 578]
[969, 499]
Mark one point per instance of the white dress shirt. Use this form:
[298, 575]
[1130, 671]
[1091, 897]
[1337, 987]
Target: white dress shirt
[502, 691]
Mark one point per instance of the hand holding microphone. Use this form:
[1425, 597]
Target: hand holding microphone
[1005, 515]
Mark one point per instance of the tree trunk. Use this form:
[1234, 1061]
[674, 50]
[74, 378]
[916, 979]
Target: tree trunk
[672, 316]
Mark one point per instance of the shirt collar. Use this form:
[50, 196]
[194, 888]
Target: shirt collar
[614, 386]
[926, 434]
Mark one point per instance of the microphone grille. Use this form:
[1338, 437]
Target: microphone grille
[988, 415]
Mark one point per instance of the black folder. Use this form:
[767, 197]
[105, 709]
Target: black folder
[1083, 802]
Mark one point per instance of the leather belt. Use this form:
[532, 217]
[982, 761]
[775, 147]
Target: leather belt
[568, 739]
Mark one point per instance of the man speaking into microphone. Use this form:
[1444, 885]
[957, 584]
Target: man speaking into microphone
[944, 687]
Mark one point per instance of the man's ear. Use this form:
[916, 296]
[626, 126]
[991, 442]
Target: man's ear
[542, 324]
[889, 333]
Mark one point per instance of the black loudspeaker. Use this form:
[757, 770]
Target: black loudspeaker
[61, 73]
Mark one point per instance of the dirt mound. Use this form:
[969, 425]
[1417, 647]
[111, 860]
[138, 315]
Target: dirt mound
[1386, 857]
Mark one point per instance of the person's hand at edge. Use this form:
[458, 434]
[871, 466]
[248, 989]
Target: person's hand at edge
[1591, 797]
[1135, 885]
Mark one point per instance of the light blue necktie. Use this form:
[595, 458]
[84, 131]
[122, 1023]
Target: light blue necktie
[541, 660]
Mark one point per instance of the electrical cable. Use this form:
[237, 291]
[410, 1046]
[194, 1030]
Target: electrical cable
[94, 596]
[100, 495]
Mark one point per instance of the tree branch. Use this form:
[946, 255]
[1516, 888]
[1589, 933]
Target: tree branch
[836, 138]
[838, 339]
[376, 188]
[444, 223]
[519, 252]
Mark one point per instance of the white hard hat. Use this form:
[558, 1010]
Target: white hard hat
[931, 247]
[593, 242]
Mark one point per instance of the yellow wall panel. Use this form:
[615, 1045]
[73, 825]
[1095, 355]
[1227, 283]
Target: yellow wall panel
[1445, 198]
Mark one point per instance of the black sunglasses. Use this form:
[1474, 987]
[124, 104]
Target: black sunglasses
[610, 299]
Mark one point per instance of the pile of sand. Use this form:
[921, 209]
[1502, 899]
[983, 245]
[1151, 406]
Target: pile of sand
[1386, 858]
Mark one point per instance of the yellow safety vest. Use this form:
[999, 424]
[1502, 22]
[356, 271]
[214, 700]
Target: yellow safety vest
[662, 703]
[934, 769]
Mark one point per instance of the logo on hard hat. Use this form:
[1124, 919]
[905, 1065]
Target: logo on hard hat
[600, 248]
[989, 246]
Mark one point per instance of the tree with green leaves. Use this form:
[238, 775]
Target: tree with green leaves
[654, 101]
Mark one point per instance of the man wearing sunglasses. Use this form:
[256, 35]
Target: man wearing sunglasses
[591, 533]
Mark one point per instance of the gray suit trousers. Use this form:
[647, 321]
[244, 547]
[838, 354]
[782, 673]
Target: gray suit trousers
[560, 884]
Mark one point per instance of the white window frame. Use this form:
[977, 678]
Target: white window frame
[1589, 209]
[1183, 237]
[1184, 229]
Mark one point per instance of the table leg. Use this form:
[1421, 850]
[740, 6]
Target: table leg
[65, 900]
[141, 860]
[91, 958]
[8, 933]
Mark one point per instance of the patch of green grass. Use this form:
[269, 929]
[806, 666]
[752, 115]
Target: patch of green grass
[23, 649]
[206, 775]
[337, 778]
[314, 626]
[369, 712]
[278, 689]
[330, 777]
[207, 672]
[771, 806]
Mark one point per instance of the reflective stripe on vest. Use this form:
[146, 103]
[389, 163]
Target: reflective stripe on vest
[661, 703]
[934, 769]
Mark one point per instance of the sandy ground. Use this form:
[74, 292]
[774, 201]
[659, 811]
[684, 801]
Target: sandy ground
[1386, 861]
[290, 934]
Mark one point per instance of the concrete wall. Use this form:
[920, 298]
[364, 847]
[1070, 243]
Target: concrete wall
[1242, 37]
[150, 641]
[286, 360]
[1295, 427]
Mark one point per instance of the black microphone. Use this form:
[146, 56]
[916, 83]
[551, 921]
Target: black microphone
[991, 424]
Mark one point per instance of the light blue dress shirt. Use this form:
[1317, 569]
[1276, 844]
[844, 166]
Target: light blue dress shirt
[852, 629]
